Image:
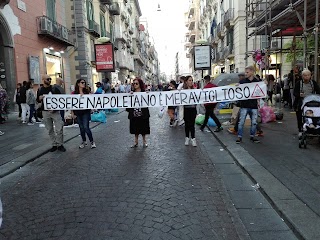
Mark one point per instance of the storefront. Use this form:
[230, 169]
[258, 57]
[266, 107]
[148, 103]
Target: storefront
[54, 64]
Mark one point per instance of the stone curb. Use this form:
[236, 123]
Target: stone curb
[304, 222]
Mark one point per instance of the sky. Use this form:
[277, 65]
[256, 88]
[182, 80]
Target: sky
[167, 27]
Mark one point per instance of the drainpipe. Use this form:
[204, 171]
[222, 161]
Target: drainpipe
[247, 46]
[305, 34]
[316, 52]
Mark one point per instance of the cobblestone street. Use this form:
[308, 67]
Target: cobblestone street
[165, 191]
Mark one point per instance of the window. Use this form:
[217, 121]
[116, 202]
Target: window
[103, 25]
[90, 12]
[51, 9]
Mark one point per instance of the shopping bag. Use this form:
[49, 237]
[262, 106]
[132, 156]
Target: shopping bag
[114, 110]
[161, 112]
[200, 119]
[211, 123]
[99, 117]
[267, 114]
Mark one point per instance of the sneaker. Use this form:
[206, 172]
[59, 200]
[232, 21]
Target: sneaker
[93, 145]
[83, 144]
[259, 133]
[232, 131]
[1, 133]
[175, 123]
[30, 123]
[145, 145]
[38, 121]
[186, 142]
[252, 139]
[24, 122]
[193, 142]
[54, 148]
[218, 129]
[201, 129]
[239, 140]
[61, 148]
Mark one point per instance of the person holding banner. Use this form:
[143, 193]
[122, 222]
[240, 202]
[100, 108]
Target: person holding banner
[190, 113]
[250, 107]
[180, 108]
[83, 116]
[139, 117]
[210, 108]
[51, 118]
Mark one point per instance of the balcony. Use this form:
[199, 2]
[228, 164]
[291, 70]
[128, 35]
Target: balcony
[54, 30]
[229, 17]
[220, 30]
[192, 22]
[93, 28]
[188, 55]
[108, 2]
[130, 9]
[120, 35]
[129, 42]
[138, 57]
[114, 9]
[191, 10]
[187, 45]
[192, 36]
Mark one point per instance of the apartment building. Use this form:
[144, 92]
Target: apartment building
[34, 39]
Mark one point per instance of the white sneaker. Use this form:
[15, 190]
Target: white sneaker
[186, 142]
[1, 133]
[93, 145]
[193, 142]
[24, 122]
[83, 144]
[30, 123]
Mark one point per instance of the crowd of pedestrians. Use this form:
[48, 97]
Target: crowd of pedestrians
[30, 103]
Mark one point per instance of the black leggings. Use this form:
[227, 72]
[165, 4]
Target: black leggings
[189, 121]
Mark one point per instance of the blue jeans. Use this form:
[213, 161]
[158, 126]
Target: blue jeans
[32, 112]
[83, 121]
[253, 113]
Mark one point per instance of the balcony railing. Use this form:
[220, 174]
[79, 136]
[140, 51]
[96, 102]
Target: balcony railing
[114, 9]
[108, 2]
[54, 30]
[191, 10]
[220, 31]
[228, 17]
[93, 28]
[192, 22]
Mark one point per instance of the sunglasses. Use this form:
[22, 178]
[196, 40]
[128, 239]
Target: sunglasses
[83, 82]
[49, 79]
[136, 83]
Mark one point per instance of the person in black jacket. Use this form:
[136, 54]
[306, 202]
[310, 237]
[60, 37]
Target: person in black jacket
[302, 89]
[139, 117]
[250, 107]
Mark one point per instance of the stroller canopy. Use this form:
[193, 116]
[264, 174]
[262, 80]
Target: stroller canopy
[311, 98]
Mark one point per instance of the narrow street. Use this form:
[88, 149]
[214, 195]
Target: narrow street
[165, 191]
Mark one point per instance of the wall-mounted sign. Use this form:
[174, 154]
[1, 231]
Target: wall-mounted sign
[202, 57]
[104, 57]
[34, 69]
[22, 5]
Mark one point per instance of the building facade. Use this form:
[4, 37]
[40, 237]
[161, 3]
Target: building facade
[34, 39]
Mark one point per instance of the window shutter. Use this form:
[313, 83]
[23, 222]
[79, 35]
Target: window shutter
[51, 9]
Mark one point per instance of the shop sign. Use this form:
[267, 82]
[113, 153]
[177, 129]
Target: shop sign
[104, 57]
[202, 57]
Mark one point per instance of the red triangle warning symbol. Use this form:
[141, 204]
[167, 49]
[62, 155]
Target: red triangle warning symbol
[257, 92]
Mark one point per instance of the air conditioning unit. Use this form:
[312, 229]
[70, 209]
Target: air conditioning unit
[46, 24]
[65, 33]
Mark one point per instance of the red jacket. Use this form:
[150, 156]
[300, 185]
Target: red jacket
[210, 85]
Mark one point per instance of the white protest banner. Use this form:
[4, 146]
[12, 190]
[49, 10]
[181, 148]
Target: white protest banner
[155, 99]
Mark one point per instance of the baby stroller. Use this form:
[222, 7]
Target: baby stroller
[311, 119]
